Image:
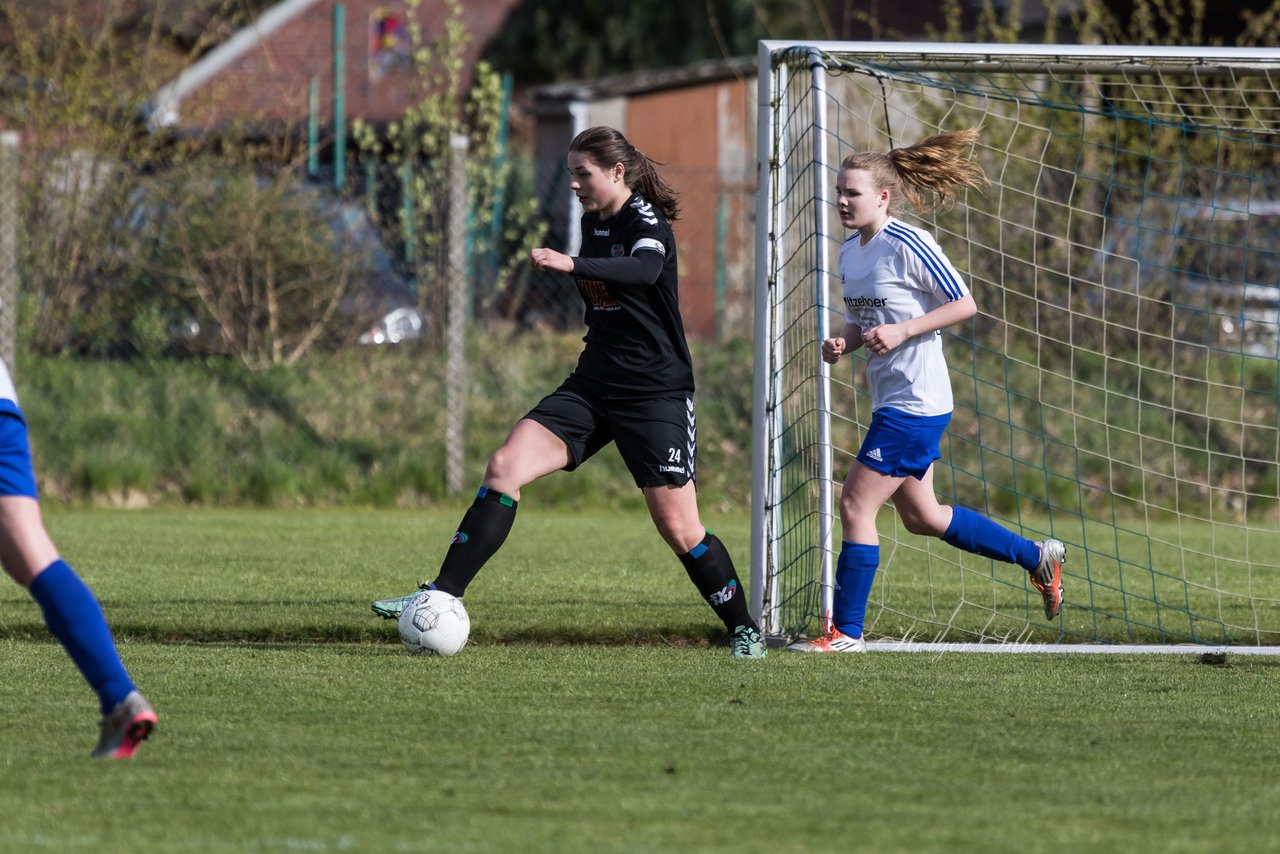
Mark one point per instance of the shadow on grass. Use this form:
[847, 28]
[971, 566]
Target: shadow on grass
[379, 631]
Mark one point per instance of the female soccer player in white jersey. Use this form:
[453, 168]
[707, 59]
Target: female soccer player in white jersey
[633, 386]
[900, 291]
[70, 610]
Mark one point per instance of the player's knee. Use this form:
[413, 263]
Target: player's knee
[680, 533]
[853, 507]
[501, 466]
[668, 526]
[915, 524]
[924, 524]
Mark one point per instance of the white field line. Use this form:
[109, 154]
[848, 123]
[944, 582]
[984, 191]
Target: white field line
[1071, 648]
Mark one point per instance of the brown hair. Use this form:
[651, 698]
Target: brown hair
[606, 146]
[929, 174]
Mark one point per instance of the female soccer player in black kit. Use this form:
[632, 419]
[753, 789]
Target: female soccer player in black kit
[633, 386]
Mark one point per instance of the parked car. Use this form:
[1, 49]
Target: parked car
[385, 290]
[1227, 265]
[380, 306]
[1214, 266]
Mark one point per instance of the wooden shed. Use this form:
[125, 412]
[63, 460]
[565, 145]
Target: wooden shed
[699, 122]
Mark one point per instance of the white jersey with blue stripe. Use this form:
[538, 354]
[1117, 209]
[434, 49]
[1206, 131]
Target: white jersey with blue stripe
[899, 274]
[7, 392]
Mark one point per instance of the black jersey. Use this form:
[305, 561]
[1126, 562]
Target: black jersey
[635, 335]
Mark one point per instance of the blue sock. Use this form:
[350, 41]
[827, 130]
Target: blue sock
[75, 618]
[975, 533]
[855, 571]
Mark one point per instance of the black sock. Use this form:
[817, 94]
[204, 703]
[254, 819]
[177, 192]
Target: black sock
[711, 570]
[480, 534]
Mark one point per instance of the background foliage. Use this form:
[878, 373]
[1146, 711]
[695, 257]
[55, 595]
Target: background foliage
[364, 427]
[134, 239]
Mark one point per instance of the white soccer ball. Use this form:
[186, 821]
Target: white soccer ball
[434, 623]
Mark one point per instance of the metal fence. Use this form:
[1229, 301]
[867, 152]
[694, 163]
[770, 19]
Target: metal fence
[8, 247]
[145, 235]
[714, 238]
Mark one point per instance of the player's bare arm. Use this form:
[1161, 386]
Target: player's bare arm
[846, 342]
[887, 336]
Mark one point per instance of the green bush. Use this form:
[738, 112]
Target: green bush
[366, 427]
[362, 427]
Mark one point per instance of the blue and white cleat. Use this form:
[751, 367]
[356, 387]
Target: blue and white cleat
[746, 642]
[389, 609]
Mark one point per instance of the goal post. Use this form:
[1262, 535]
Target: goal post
[1118, 388]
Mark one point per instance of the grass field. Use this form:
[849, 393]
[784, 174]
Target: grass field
[595, 710]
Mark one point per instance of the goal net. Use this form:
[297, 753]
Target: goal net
[1117, 389]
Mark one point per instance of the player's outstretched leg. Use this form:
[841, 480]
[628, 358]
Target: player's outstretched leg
[711, 570]
[70, 610]
[1043, 561]
[75, 618]
[482, 532]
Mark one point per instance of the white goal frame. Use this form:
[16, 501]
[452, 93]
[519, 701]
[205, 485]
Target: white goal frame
[785, 67]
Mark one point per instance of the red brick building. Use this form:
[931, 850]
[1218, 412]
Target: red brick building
[264, 72]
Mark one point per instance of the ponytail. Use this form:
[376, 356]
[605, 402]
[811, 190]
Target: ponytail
[606, 146]
[930, 174]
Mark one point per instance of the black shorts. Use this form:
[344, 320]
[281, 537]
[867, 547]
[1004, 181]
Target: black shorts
[656, 436]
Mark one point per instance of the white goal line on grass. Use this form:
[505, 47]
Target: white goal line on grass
[1070, 648]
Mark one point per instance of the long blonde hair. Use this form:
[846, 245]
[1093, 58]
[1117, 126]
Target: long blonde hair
[929, 175]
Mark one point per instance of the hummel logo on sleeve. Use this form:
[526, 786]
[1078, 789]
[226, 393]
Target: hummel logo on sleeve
[645, 211]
